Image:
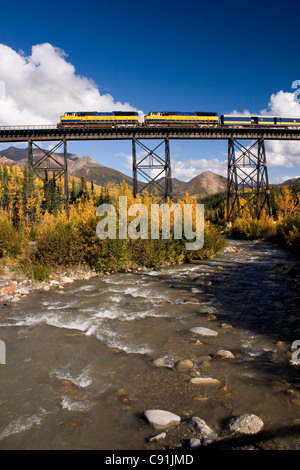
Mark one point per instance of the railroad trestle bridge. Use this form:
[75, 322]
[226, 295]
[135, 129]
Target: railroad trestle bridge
[247, 184]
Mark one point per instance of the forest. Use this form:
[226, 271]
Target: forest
[37, 237]
[282, 227]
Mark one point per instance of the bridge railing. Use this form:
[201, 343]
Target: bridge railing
[25, 128]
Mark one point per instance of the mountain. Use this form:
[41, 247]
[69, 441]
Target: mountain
[16, 156]
[79, 167]
[102, 175]
[204, 184]
[291, 181]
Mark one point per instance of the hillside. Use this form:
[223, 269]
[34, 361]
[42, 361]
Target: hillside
[204, 184]
[102, 175]
[78, 167]
[16, 156]
[291, 181]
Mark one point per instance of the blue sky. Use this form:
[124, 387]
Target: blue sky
[159, 55]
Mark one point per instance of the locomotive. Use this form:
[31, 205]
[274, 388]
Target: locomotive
[95, 118]
[170, 119]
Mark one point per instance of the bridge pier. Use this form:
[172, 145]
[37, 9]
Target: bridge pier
[150, 161]
[247, 184]
[47, 164]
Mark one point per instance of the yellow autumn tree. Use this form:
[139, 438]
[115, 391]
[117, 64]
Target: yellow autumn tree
[286, 204]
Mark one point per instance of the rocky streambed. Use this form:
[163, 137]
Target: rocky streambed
[209, 344]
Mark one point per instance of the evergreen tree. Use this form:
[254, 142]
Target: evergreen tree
[104, 197]
[83, 193]
[73, 193]
[52, 195]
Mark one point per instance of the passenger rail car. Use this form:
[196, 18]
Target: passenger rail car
[95, 119]
[240, 120]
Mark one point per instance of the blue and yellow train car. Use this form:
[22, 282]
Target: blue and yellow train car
[95, 118]
[264, 120]
[238, 120]
[173, 118]
[287, 121]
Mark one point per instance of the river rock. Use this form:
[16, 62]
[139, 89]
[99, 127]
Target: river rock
[23, 291]
[161, 419]
[191, 300]
[205, 432]
[159, 362]
[224, 354]
[211, 317]
[245, 424]
[69, 387]
[204, 380]
[201, 330]
[191, 444]
[66, 280]
[10, 289]
[158, 437]
[184, 364]
[226, 326]
[207, 309]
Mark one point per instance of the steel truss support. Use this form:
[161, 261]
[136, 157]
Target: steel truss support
[48, 165]
[160, 178]
[247, 184]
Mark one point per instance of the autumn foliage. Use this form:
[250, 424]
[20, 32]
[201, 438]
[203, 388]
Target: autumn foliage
[42, 238]
[283, 227]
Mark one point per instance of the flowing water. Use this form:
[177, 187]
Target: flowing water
[79, 366]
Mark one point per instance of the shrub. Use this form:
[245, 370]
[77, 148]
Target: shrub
[153, 253]
[288, 232]
[40, 272]
[213, 243]
[250, 229]
[11, 241]
[58, 245]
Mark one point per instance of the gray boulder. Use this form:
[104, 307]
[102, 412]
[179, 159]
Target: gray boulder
[204, 431]
[161, 419]
[245, 424]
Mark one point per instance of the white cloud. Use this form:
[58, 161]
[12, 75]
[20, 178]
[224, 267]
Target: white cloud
[280, 153]
[189, 169]
[41, 87]
[183, 170]
[282, 104]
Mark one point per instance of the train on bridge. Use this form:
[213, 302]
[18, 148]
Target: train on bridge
[171, 119]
